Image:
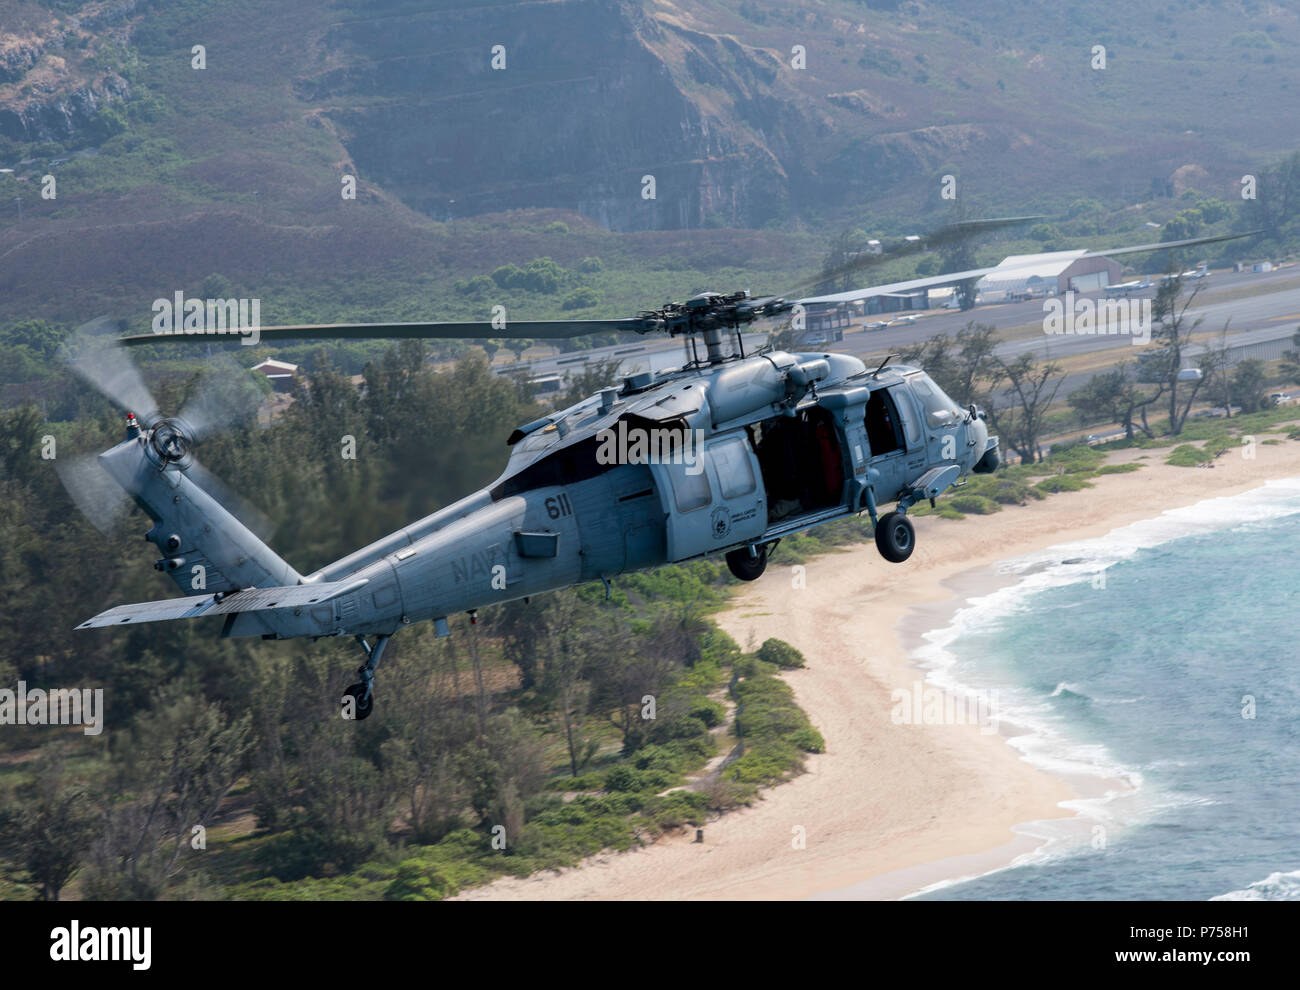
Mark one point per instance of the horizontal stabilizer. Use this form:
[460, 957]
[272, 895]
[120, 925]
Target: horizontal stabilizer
[248, 600]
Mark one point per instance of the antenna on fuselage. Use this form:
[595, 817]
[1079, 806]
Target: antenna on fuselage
[888, 358]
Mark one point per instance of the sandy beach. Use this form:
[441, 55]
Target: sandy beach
[890, 808]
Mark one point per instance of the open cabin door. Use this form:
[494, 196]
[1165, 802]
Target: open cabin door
[715, 503]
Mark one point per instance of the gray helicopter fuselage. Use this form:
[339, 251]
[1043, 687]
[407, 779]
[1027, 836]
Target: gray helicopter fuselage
[764, 446]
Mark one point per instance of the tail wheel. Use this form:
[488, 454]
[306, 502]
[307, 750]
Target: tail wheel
[895, 537]
[747, 566]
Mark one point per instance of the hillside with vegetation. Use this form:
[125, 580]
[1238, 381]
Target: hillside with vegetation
[167, 174]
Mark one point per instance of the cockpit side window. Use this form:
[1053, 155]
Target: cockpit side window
[940, 410]
[907, 412]
[884, 432]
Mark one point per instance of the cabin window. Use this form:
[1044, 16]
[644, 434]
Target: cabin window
[691, 491]
[566, 466]
[735, 476]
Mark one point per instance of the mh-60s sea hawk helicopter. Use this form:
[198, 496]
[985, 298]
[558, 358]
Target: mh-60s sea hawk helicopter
[757, 447]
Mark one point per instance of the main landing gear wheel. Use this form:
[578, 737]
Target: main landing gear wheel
[748, 563]
[895, 537]
[362, 704]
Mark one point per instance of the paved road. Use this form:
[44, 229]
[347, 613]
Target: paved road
[1272, 311]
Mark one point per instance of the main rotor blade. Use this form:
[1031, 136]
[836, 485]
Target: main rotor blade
[538, 330]
[954, 278]
[96, 356]
[940, 237]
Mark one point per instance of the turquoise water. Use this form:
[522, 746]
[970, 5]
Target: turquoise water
[1138, 689]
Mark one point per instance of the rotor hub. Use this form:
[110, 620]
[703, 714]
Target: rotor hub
[171, 440]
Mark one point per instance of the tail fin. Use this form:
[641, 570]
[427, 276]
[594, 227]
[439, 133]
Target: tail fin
[204, 547]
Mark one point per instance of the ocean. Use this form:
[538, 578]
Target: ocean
[1158, 669]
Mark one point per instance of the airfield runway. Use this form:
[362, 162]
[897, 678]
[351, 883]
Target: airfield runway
[1258, 308]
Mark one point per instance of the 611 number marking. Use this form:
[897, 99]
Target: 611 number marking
[558, 505]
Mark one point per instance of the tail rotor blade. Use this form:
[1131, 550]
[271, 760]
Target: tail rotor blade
[257, 521]
[98, 497]
[224, 397]
[94, 354]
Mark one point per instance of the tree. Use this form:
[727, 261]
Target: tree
[1173, 334]
[632, 670]
[840, 264]
[504, 770]
[1113, 397]
[181, 759]
[963, 366]
[490, 347]
[594, 376]
[1248, 384]
[1024, 390]
[518, 345]
[1290, 366]
[428, 728]
[54, 825]
[1277, 194]
[958, 255]
[572, 643]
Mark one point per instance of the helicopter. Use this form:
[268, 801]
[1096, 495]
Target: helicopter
[725, 455]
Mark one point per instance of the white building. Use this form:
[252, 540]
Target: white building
[281, 373]
[1048, 274]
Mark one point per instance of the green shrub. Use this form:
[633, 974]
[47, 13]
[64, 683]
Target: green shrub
[1124, 468]
[974, 504]
[1186, 455]
[809, 740]
[416, 882]
[583, 298]
[781, 653]
[1062, 483]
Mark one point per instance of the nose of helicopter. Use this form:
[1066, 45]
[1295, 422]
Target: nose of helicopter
[984, 449]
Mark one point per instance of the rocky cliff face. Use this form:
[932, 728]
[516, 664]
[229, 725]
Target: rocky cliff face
[467, 107]
[61, 116]
[593, 98]
[50, 85]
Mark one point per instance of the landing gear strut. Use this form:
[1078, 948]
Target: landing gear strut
[359, 699]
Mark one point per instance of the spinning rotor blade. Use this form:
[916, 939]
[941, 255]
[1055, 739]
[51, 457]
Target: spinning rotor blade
[538, 330]
[94, 354]
[953, 278]
[224, 396]
[940, 237]
[98, 496]
[257, 521]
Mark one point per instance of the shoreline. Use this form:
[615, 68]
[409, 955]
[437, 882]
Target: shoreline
[888, 809]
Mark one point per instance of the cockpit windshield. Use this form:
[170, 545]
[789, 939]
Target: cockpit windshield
[940, 410]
